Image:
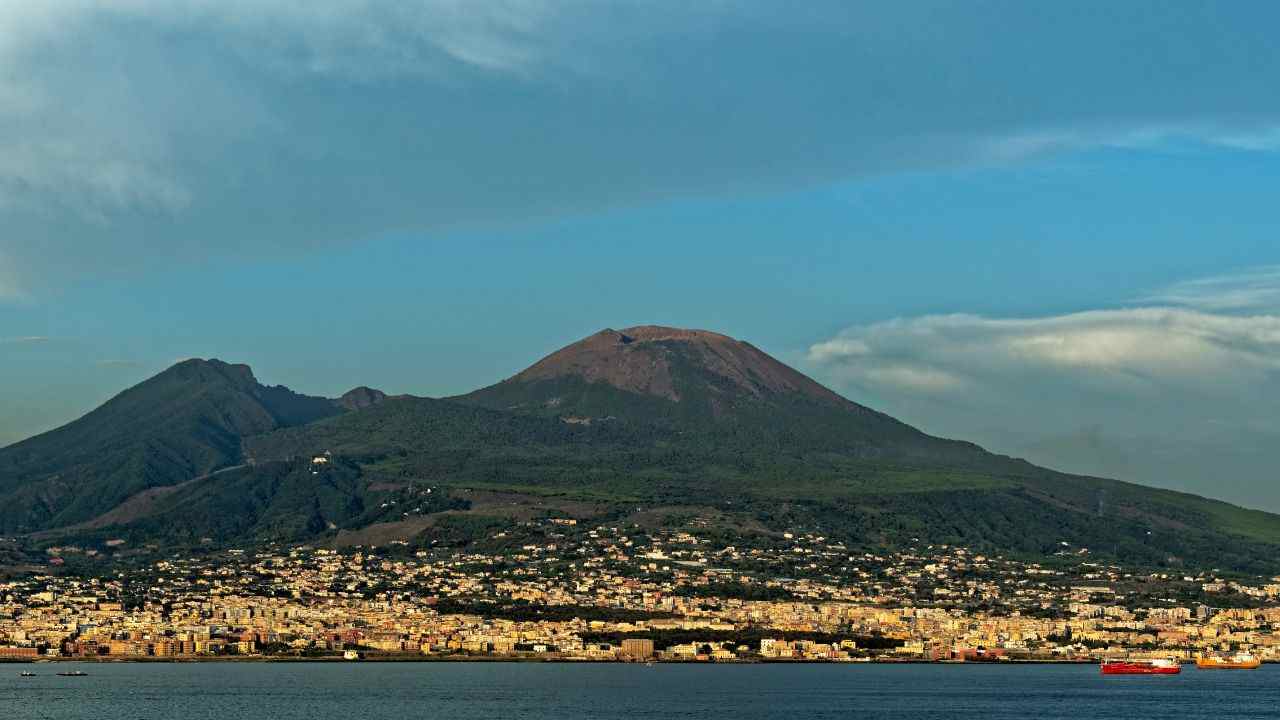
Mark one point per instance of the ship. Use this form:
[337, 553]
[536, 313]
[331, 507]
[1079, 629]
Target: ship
[1239, 661]
[73, 673]
[1159, 666]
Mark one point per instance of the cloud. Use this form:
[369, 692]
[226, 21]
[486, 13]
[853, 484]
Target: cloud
[1130, 350]
[119, 364]
[1188, 136]
[920, 379]
[1258, 140]
[356, 37]
[139, 133]
[1179, 396]
[92, 94]
[1257, 289]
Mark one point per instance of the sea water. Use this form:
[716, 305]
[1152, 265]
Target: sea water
[561, 691]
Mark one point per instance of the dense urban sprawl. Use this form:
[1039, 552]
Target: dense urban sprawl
[618, 593]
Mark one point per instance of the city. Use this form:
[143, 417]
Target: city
[605, 593]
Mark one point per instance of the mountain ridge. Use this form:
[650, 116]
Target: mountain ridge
[623, 421]
[184, 422]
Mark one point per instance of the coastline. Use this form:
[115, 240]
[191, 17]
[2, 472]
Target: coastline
[407, 658]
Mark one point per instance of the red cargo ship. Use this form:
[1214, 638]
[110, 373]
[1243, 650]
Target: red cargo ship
[1161, 666]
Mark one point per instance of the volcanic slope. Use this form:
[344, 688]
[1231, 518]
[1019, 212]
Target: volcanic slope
[647, 425]
[181, 424]
[697, 422]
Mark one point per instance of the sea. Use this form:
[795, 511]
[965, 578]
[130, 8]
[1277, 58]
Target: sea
[562, 691]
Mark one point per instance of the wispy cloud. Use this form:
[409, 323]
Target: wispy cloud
[25, 340]
[119, 364]
[1156, 136]
[1256, 289]
[1259, 140]
[353, 37]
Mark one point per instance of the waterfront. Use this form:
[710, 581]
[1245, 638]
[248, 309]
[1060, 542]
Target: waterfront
[514, 690]
[602, 594]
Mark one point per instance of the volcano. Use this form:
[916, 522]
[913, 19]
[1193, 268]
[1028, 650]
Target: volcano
[641, 426]
[705, 381]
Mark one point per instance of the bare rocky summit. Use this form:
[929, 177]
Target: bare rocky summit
[647, 359]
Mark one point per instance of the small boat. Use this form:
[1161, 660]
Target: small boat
[1239, 661]
[26, 673]
[73, 673]
[1159, 666]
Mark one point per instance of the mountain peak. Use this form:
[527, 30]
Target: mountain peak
[673, 363]
[654, 370]
[211, 370]
[181, 424]
[654, 333]
[359, 398]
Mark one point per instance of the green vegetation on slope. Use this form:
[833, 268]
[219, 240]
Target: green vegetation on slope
[666, 426]
[180, 424]
[1012, 507]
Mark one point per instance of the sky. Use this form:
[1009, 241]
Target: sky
[1047, 228]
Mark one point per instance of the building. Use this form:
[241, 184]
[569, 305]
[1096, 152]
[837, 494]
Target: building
[637, 648]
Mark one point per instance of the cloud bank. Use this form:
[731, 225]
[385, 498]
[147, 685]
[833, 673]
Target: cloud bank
[138, 133]
[1181, 396]
[1136, 351]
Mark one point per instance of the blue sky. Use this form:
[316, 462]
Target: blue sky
[1047, 229]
